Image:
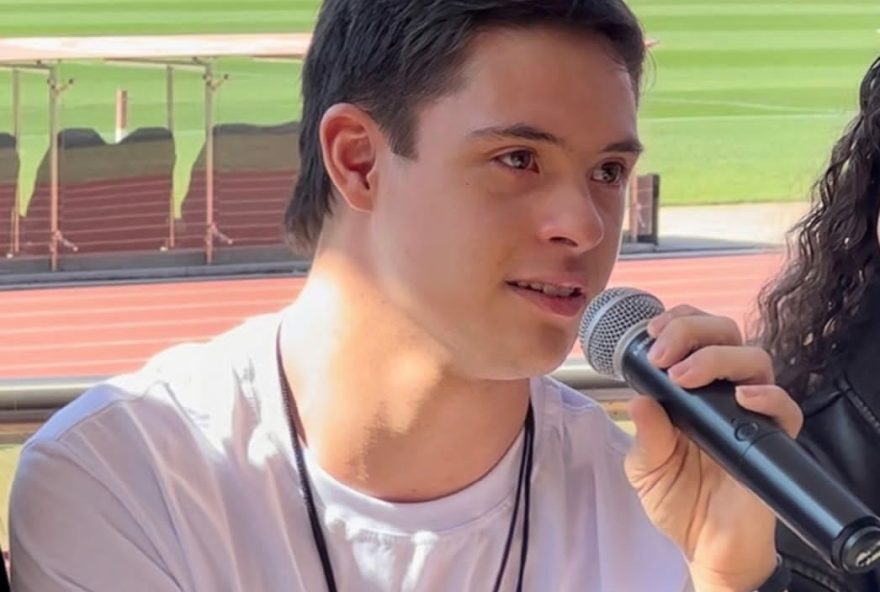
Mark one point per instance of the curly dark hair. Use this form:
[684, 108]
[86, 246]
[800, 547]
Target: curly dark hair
[813, 310]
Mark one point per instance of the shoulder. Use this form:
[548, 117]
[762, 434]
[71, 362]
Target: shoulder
[189, 391]
[580, 422]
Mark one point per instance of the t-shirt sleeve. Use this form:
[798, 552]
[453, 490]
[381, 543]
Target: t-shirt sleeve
[70, 531]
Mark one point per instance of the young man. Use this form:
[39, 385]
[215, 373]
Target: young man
[462, 186]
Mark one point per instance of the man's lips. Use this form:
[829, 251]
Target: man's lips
[558, 299]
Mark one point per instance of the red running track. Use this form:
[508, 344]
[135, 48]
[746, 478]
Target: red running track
[106, 330]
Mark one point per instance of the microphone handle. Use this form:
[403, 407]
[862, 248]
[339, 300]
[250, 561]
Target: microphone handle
[756, 452]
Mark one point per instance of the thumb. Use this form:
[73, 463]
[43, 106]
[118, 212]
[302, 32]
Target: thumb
[655, 438]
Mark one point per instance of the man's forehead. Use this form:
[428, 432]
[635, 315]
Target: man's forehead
[550, 48]
[539, 84]
[556, 69]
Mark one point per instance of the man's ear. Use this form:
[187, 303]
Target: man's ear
[349, 143]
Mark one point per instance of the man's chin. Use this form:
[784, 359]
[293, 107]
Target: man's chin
[541, 353]
[551, 364]
[539, 364]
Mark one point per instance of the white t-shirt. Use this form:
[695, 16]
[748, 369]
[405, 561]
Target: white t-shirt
[181, 477]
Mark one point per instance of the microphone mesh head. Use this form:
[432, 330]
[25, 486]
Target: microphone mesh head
[608, 318]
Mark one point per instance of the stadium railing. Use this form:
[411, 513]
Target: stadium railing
[27, 403]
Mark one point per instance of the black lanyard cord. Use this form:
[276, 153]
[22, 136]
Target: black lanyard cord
[523, 487]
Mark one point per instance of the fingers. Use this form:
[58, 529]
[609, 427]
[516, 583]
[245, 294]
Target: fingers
[683, 330]
[772, 401]
[682, 310]
[655, 438]
[738, 364]
[697, 348]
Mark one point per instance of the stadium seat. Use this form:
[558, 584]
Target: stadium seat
[9, 165]
[112, 197]
[36, 225]
[256, 168]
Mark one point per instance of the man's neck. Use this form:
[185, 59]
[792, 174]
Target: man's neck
[378, 407]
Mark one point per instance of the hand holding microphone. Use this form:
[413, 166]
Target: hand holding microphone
[700, 439]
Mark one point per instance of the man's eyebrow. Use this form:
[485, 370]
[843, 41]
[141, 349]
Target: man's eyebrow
[518, 131]
[629, 145]
[524, 131]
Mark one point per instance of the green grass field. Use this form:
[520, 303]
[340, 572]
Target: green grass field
[743, 97]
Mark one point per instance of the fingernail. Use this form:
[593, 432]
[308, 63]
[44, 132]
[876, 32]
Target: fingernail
[657, 351]
[680, 369]
[747, 392]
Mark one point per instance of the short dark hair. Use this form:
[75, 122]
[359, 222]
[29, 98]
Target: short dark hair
[390, 56]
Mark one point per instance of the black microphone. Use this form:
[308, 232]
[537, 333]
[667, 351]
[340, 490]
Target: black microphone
[750, 446]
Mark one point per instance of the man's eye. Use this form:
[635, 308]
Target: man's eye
[610, 173]
[521, 160]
